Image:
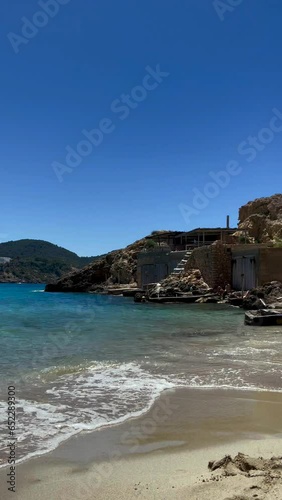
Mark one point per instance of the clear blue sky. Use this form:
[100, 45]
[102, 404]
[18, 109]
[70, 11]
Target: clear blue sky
[224, 80]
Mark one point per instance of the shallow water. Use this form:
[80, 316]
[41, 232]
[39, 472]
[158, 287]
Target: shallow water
[82, 361]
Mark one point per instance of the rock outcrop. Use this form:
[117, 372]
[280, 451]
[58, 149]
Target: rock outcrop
[119, 266]
[261, 219]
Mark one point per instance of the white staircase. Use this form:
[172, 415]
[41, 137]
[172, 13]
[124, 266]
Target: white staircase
[181, 265]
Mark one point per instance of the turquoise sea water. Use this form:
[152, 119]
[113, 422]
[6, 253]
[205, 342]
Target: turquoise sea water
[82, 361]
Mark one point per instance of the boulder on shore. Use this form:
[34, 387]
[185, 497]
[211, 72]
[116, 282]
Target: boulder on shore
[191, 280]
[266, 295]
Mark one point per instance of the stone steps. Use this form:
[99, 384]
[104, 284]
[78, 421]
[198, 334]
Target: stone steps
[181, 265]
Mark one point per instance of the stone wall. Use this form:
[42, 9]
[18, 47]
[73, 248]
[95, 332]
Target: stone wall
[222, 264]
[201, 258]
[270, 265]
[214, 262]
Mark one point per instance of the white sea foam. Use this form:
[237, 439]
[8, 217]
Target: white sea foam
[72, 399]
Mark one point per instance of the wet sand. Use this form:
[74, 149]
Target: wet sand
[163, 454]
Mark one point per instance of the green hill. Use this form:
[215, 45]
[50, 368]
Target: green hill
[37, 261]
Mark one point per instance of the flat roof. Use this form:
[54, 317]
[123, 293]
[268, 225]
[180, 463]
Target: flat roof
[165, 233]
[210, 230]
[196, 230]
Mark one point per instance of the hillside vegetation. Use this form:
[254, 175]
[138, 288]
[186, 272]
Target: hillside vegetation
[38, 261]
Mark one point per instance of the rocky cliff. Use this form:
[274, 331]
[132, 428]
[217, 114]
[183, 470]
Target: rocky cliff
[119, 266]
[262, 219]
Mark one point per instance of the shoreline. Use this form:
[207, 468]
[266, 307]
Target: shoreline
[183, 426]
[141, 415]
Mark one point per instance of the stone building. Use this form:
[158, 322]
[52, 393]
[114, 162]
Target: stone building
[157, 264]
[170, 247]
[243, 266]
[254, 265]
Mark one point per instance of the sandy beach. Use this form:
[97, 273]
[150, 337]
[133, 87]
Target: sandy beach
[165, 453]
